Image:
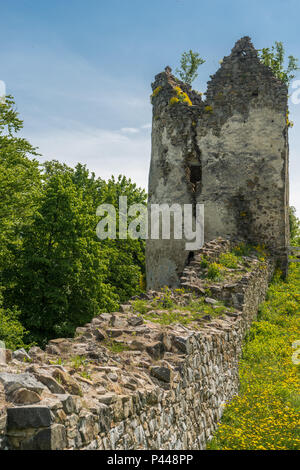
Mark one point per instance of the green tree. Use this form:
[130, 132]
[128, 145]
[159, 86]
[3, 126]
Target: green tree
[20, 186]
[189, 64]
[12, 332]
[126, 257]
[61, 279]
[275, 59]
[54, 272]
[294, 227]
[20, 183]
[131, 251]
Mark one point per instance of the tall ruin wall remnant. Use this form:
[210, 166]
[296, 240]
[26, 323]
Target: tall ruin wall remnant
[229, 152]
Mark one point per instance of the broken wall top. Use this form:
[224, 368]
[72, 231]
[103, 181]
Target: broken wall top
[242, 80]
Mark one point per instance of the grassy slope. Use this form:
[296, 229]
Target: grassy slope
[266, 414]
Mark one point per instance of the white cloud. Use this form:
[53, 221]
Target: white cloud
[147, 126]
[130, 130]
[104, 152]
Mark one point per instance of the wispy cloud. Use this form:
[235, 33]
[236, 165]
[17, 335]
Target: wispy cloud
[104, 152]
[130, 130]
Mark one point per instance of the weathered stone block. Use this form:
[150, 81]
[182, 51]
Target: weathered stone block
[161, 373]
[53, 438]
[28, 417]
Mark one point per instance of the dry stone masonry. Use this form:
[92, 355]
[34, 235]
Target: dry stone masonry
[129, 381]
[228, 152]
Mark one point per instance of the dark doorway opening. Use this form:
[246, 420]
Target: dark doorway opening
[195, 174]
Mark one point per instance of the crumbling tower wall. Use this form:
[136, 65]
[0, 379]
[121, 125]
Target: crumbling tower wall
[229, 152]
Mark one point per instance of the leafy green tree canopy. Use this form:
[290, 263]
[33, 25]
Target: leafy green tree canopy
[189, 64]
[275, 59]
[294, 227]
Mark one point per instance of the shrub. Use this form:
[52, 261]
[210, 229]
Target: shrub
[229, 260]
[12, 332]
[140, 306]
[214, 272]
[243, 249]
[204, 263]
[165, 300]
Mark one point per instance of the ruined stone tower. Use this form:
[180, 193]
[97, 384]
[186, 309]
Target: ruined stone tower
[229, 152]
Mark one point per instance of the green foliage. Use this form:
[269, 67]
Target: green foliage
[243, 249]
[115, 346]
[266, 413]
[189, 64]
[215, 272]
[204, 263]
[229, 260]
[20, 183]
[275, 59]
[165, 300]
[12, 333]
[78, 361]
[140, 306]
[62, 268]
[294, 227]
[53, 268]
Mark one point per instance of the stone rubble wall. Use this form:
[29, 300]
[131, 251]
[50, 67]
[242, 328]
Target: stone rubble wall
[167, 392]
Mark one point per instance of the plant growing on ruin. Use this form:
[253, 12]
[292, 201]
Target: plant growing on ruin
[189, 64]
[204, 263]
[214, 271]
[275, 59]
[242, 249]
[180, 96]
[229, 260]
[140, 306]
[165, 300]
[115, 346]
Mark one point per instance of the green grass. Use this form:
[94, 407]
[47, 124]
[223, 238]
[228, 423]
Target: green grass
[266, 414]
[115, 347]
[78, 361]
[194, 310]
[140, 306]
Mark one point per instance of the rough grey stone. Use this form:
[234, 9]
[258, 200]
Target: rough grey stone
[161, 373]
[28, 417]
[135, 321]
[68, 403]
[156, 350]
[50, 383]
[208, 300]
[53, 438]
[12, 382]
[21, 355]
[22, 396]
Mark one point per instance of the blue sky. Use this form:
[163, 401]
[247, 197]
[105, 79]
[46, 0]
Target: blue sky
[81, 71]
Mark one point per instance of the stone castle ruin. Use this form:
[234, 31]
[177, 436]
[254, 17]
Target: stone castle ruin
[127, 380]
[228, 152]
